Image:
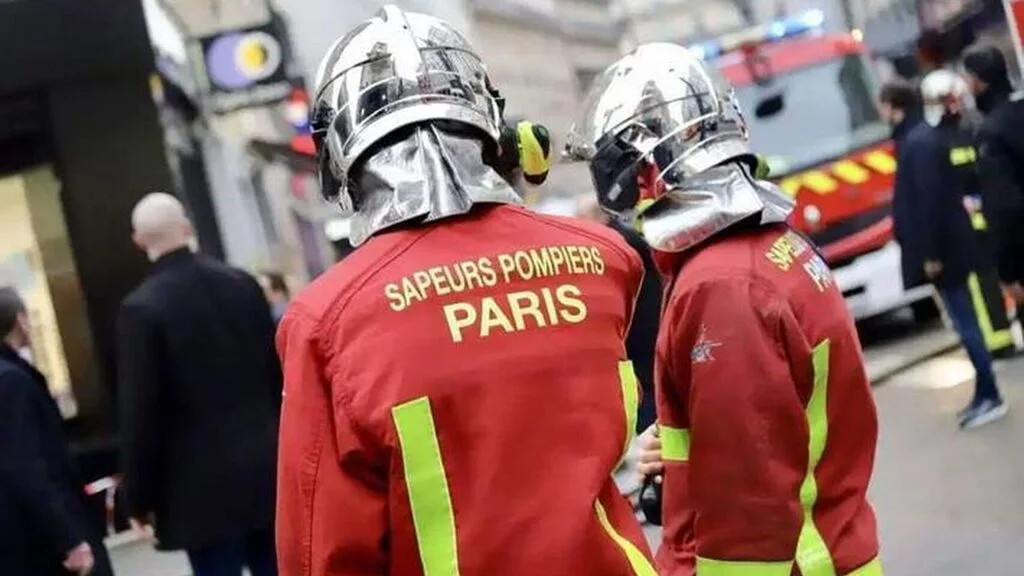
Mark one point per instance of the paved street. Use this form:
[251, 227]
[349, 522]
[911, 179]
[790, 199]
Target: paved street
[949, 503]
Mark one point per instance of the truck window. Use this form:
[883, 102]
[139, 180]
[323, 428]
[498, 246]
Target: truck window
[828, 110]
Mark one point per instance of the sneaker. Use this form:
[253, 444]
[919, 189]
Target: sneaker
[982, 413]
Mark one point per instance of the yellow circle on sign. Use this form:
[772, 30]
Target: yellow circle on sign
[252, 55]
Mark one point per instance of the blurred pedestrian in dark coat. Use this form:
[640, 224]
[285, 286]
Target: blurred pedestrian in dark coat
[200, 387]
[44, 525]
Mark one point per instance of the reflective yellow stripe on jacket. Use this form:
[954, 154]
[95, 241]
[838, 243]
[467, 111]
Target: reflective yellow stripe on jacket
[630, 403]
[427, 485]
[675, 443]
[812, 554]
[430, 499]
[994, 339]
[630, 400]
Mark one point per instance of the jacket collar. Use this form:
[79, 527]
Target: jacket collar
[11, 355]
[172, 259]
[900, 131]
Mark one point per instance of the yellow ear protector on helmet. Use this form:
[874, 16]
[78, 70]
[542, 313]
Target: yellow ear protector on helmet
[533, 142]
[527, 146]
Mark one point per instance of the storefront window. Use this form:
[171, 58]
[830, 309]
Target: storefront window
[22, 267]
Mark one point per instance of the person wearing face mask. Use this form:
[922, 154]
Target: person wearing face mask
[1001, 161]
[936, 171]
[766, 421]
[44, 524]
[199, 392]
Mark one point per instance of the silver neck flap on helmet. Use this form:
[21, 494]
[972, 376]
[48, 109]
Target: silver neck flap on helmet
[402, 119]
[429, 175]
[660, 110]
[709, 202]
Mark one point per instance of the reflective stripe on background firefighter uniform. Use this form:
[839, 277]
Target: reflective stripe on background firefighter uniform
[457, 398]
[767, 421]
[986, 293]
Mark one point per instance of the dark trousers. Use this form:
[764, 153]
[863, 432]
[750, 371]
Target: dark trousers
[254, 551]
[959, 307]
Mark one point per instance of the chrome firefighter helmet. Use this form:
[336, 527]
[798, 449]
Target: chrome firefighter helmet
[659, 108]
[944, 91]
[393, 71]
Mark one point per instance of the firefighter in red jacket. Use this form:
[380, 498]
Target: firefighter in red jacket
[766, 419]
[467, 348]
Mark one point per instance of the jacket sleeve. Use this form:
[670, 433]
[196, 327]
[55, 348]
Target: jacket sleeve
[23, 469]
[266, 327]
[1002, 203]
[742, 418]
[332, 509]
[926, 186]
[139, 376]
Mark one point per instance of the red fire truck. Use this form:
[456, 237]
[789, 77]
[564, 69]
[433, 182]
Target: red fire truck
[809, 98]
[1015, 16]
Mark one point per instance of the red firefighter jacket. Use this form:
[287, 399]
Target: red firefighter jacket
[766, 415]
[456, 400]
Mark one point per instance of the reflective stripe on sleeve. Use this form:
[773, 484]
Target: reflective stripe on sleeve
[675, 443]
[709, 567]
[640, 564]
[427, 485]
[812, 555]
[630, 400]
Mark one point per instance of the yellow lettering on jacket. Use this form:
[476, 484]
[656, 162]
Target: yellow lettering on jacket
[786, 249]
[515, 312]
[541, 292]
[487, 272]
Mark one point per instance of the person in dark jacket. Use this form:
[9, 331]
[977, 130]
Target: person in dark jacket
[200, 387]
[934, 230]
[44, 527]
[900, 104]
[643, 332]
[1001, 152]
[275, 288]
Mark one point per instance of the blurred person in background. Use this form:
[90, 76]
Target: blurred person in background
[643, 332]
[1001, 159]
[899, 101]
[200, 388]
[44, 524]
[275, 288]
[757, 355]
[466, 349]
[937, 241]
[932, 51]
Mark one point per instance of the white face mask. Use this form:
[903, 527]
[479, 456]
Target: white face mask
[934, 113]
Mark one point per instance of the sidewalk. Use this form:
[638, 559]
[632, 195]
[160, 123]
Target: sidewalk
[949, 503]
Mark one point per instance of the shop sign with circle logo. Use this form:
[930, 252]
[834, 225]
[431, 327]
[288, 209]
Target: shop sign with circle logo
[245, 68]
